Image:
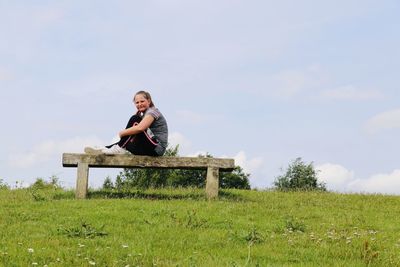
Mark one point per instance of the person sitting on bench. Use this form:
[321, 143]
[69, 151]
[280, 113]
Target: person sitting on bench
[145, 134]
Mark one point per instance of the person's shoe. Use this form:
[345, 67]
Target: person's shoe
[94, 150]
[115, 149]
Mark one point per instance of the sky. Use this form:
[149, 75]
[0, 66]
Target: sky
[260, 81]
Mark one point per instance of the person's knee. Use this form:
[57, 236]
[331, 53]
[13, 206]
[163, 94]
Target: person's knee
[134, 119]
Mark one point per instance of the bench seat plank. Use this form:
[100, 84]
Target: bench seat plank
[133, 161]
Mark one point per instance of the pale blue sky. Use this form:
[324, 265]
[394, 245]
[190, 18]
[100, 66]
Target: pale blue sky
[264, 82]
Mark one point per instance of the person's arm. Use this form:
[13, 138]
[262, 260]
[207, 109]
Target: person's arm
[141, 127]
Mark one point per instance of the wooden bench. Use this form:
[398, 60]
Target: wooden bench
[84, 161]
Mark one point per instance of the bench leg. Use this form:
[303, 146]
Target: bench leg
[212, 182]
[82, 181]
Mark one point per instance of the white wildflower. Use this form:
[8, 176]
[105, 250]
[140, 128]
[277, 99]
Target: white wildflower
[92, 263]
[30, 250]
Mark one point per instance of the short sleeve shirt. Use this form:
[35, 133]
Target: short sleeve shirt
[159, 128]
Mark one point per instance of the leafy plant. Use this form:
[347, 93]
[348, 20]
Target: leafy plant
[84, 230]
[3, 185]
[157, 178]
[108, 184]
[236, 179]
[292, 224]
[368, 253]
[52, 183]
[299, 176]
[37, 195]
[193, 220]
[42, 190]
[254, 236]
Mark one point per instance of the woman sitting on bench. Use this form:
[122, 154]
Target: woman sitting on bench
[145, 134]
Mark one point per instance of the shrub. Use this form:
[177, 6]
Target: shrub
[3, 185]
[40, 183]
[299, 176]
[156, 178]
[108, 184]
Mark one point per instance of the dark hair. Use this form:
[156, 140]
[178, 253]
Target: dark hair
[145, 95]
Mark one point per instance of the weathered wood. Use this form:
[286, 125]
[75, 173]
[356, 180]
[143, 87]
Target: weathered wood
[84, 161]
[82, 180]
[212, 182]
[130, 161]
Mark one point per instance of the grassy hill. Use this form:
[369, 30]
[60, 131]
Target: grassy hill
[181, 228]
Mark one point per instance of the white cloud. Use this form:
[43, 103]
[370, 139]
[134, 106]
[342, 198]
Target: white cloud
[340, 179]
[384, 121]
[48, 15]
[45, 151]
[335, 176]
[379, 183]
[101, 85]
[195, 118]
[5, 75]
[197, 153]
[190, 116]
[248, 165]
[33, 17]
[254, 166]
[29, 24]
[177, 138]
[290, 83]
[350, 92]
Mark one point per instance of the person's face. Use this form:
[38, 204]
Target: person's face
[141, 103]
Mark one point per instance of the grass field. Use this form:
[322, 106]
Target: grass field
[179, 227]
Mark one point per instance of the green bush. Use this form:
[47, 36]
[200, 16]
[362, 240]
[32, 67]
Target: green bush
[157, 178]
[299, 176]
[42, 190]
[3, 185]
[40, 183]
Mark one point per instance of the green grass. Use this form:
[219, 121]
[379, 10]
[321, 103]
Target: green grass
[181, 228]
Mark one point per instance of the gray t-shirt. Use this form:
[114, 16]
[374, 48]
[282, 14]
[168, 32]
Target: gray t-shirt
[159, 129]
